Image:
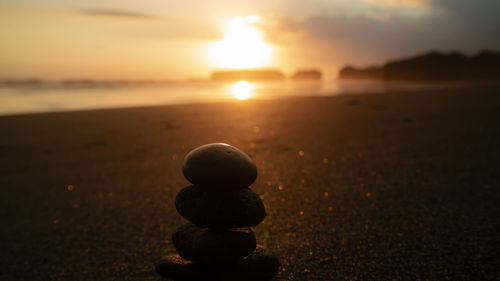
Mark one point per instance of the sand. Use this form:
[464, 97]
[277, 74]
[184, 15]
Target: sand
[400, 186]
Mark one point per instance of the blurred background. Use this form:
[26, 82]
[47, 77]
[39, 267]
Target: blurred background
[126, 53]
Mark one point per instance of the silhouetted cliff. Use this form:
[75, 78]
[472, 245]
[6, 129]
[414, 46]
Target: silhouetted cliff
[307, 75]
[20, 82]
[433, 66]
[248, 75]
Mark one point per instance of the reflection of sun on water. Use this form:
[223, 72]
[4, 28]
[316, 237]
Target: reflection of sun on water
[242, 47]
[242, 90]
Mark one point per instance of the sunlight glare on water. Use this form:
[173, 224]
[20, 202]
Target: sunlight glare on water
[242, 90]
[58, 96]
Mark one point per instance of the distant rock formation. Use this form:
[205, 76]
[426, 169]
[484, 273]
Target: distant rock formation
[432, 66]
[248, 75]
[19, 82]
[312, 74]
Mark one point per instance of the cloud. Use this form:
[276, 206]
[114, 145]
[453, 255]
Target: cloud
[478, 16]
[363, 39]
[408, 3]
[116, 14]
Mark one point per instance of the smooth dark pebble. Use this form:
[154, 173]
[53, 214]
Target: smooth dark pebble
[213, 245]
[231, 209]
[219, 165]
[259, 266]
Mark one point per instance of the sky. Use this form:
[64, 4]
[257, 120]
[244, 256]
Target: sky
[163, 39]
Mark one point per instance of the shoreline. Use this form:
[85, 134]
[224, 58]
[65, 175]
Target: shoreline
[90, 100]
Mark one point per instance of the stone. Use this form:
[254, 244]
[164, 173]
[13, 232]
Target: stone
[219, 165]
[229, 209]
[259, 266]
[215, 246]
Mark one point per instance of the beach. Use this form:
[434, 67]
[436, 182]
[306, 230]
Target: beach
[394, 186]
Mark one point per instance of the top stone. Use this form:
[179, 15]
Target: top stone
[219, 165]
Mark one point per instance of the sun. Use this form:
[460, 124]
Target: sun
[242, 90]
[242, 47]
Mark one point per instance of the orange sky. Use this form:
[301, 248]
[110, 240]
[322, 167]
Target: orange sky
[154, 39]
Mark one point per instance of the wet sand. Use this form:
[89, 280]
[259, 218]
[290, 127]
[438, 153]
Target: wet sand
[401, 186]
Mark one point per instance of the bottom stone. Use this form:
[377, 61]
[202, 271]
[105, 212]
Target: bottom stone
[258, 266]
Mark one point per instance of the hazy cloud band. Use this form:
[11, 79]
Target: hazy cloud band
[116, 14]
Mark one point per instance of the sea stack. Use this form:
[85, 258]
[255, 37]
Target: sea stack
[218, 242]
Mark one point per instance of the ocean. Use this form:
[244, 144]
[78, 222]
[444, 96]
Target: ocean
[37, 97]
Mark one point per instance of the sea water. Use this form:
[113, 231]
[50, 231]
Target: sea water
[21, 98]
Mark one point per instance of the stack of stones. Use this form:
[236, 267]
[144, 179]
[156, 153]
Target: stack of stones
[218, 243]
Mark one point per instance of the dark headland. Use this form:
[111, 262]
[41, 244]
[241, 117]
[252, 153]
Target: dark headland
[253, 75]
[263, 75]
[432, 66]
[307, 75]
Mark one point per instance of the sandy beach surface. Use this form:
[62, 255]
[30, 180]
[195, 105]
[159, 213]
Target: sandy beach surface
[397, 186]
